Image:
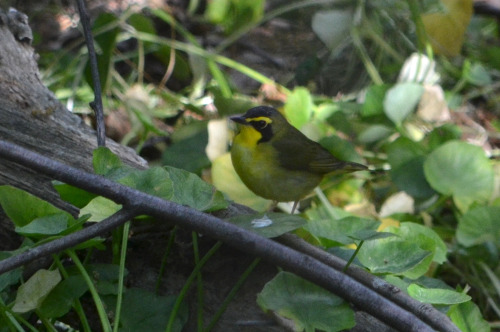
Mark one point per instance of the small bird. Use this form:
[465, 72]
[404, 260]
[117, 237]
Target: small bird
[276, 161]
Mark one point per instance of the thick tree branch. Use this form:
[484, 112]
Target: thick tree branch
[301, 264]
[425, 311]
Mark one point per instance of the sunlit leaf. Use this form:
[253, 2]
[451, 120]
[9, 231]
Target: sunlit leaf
[105, 161]
[436, 295]
[392, 255]
[425, 237]
[401, 100]
[332, 35]
[31, 294]
[234, 14]
[479, 225]
[467, 317]
[299, 106]
[461, 170]
[100, 208]
[22, 207]
[310, 307]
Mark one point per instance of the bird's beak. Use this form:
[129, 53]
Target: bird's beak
[239, 119]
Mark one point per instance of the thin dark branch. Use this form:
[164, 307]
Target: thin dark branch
[301, 264]
[68, 241]
[97, 103]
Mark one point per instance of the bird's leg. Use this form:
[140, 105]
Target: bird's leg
[273, 206]
[294, 206]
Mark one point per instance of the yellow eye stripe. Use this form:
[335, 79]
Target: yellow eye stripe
[260, 118]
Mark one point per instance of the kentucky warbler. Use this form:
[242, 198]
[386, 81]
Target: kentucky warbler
[276, 161]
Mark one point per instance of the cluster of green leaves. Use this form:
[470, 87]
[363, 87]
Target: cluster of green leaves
[52, 293]
[439, 190]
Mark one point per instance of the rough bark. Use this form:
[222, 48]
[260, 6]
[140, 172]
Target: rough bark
[32, 117]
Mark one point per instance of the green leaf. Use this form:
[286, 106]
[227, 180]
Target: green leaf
[31, 294]
[467, 317]
[154, 181]
[375, 133]
[268, 224]
[217, 10]
[406, 158]
[142, 23]
[402, 150]
[346, 231]
[410, 178]
[60, 300]
[236, 104]
[105, 161]
[461, 170]
[145, 311]
[76, 196]
[476, 74]
[332, 35]
[392, 255]
[190, 190]
[188, 148]
[425, 237]
[309, 306]
[479, 225]
[374, 100]
[401, 100]
[437, 295]
[22, 207]
[10, 277]
[46, 225]
[100, 208]
[299, 106]
[341, 149]
[440, 135]
[234, 14]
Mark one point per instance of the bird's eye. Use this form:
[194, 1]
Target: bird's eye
[261, 124]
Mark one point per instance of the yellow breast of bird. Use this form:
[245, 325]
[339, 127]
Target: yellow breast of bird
[258, 167]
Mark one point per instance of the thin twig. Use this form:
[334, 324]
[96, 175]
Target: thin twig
[68, 241]
[96, 105]
[296, 262]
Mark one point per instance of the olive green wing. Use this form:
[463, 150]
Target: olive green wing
[325, 163]
[299, 153]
